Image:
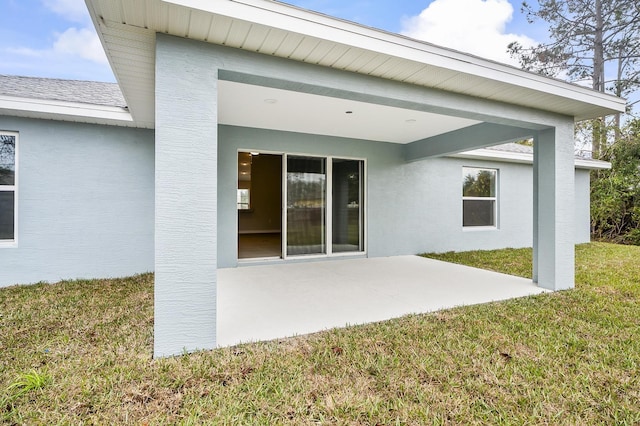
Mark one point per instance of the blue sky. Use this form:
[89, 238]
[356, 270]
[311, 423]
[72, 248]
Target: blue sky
[55, 38]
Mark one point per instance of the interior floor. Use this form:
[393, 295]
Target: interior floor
[252, 246]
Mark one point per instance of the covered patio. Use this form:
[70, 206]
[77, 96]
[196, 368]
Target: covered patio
[285, 299]
[218, 78]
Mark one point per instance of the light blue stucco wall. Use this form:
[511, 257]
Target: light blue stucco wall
[85, 202]
[583, 206]
[86, 199]
[186, 199]
[411, 207]
[553, 186]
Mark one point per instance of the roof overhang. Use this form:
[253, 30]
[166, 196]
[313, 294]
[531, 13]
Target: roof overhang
[127, 30]
[526, 158]
[65, 111]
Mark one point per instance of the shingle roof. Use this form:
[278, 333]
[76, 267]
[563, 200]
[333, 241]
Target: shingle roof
[512, 147]
[87, 92]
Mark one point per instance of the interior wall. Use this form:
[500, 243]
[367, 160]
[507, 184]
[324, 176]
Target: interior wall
[265, 214]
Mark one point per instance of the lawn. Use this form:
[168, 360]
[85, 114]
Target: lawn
[79, 352]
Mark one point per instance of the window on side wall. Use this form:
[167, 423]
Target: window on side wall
[8, 185]
[479, 197]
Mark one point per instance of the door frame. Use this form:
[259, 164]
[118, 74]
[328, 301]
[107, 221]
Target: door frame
[329, 207]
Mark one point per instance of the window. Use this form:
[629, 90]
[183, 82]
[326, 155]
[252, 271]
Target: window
[8, 150]
[243, 199]
[245, 161]
[479, 201]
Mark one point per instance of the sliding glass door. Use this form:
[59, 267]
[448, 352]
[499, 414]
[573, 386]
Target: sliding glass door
[324, 205]
[346, 206]
[306, 205]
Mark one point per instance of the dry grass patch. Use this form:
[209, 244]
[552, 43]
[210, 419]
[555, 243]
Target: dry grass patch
[564, 358]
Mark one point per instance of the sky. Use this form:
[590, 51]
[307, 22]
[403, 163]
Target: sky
[56, 38]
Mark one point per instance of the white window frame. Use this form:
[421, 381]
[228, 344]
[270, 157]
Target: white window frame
[494, 199]
[12, 188]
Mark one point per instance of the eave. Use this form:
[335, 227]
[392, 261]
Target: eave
[67, 111]
[524, 158]
[127, 30]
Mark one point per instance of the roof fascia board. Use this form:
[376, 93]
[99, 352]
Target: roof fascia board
[523, 158]
[289, 18]
[52, 108]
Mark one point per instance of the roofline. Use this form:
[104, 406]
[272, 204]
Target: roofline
[524, 158]
[294, 19]
[66, 111]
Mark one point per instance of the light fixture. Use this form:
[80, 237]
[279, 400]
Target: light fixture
[255, 153]
[270, 101]
[348, 112]
[411, 120]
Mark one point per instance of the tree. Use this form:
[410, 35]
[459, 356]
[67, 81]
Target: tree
[596, 41]
[7, 159]
[615, 193]
[480, 184]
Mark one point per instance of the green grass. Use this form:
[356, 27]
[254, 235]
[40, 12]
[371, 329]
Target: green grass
[571, 358]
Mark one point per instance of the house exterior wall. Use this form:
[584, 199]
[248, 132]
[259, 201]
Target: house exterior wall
[411, 207]
[85, 202]
[583, 206]
[186, 200]
[90, 212]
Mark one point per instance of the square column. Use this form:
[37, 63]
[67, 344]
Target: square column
[186, 153]
[553, 204]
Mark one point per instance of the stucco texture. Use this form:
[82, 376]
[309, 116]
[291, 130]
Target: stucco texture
[85, 202]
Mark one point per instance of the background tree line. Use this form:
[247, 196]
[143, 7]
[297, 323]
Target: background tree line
[597, 42]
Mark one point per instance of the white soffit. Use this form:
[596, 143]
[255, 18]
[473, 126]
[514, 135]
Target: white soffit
[127, 29]
[276, 109]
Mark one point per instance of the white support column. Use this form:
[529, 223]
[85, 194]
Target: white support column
[553, 236]
[185, 200]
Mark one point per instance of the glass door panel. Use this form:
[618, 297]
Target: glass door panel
[347, 205]
[306, 205]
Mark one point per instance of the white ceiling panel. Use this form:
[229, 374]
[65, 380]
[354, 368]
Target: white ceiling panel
[302, 51]
[334, 55]
[273, 41]
[255, 38]
[319, 52]
[267, 108]
[199, 25]
[288, 45]
[219, 29]
[178, 23]
[237, 34]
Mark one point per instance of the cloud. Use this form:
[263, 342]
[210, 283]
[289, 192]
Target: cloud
[75, 52]
[472, 26]
[71, 10]
[81, 42]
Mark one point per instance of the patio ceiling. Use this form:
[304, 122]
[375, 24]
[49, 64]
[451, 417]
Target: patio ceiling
[268, 108]
[127, 30]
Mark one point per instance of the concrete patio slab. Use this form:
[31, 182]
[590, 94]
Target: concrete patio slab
[280, 300]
